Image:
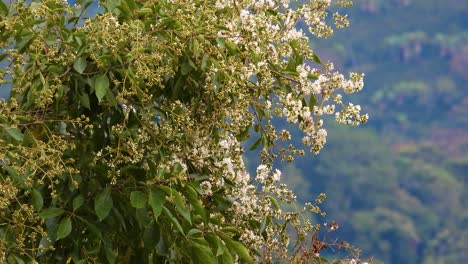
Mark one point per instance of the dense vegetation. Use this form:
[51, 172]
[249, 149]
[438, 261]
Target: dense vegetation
[397, 188]
[122, 137]
[399, 193]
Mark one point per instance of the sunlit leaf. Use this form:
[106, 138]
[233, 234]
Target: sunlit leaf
[80, 64]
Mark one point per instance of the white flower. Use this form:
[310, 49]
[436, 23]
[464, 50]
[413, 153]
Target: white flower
[276, 175]
[262, 173]
[206, 188]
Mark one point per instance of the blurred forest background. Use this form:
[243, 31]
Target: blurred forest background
[396, 186]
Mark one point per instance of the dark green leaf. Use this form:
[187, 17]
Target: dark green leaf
[138, 199]
[179, 202]
[156, 198]
[37, 199]
[272, 12]
[151, 236]
[51, 213]
[201, 253]
[101, 86]
[64, 228]
[3, 9]
[255, 145]
[186, 67]
[174, 220]
[78, 202]
[103, 204]
[84, 100]
[111, 256]
[92, 227]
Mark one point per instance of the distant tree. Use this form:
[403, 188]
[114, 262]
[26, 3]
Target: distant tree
[121, 139]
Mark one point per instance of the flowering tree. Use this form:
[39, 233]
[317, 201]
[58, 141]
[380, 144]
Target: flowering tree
[121, 141]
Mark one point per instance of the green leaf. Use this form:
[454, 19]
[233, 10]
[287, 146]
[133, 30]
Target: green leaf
[145, 11]
[24, 42]
[312, 76]
[156, 199]
[80, 65]
[37, 199]
[195, 233]
[78, 202]
[111, 256]
[256, 144]
[51, 213]
[3, 9]
[227, 257]
[84, 100]
[221, 42]
[174, 220]
[216, 244]
[64, 228]
[101, 86]
[92, 227]
[179, 203]
[238, 248]
[2, 56]
[201, 253]
[274, 202]
[192, 197]
[138, 199]
[232, 47]
[18, 260]
[15, 133]
[312, 102]
[316, 58]
[103, 204]
[55, 69]
[187, 67]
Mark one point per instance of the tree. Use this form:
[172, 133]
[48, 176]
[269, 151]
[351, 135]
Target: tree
[121, 140]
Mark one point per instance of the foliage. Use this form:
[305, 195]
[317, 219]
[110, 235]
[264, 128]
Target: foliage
[121, 139]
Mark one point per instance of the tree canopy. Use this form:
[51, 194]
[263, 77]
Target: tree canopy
[123, 136]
